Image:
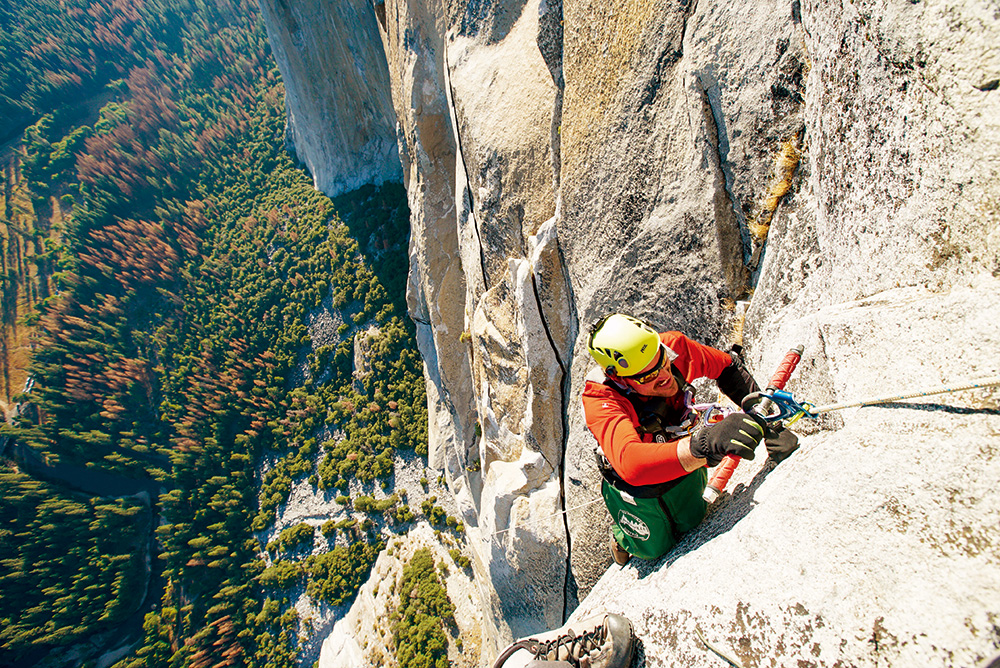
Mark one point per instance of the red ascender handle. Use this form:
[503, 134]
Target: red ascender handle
[785, 369]
[724, 471]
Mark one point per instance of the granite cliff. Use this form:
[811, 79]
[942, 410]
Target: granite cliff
[834, 164]
[340, 124]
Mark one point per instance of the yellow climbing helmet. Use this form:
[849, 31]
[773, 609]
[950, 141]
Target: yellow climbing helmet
[623, 345]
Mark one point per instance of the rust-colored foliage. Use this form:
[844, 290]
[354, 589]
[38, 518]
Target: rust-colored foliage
[134, 251]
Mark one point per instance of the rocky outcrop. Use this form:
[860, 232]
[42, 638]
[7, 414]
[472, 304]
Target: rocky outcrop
[340, 119]
[364, 635]
[837, 165]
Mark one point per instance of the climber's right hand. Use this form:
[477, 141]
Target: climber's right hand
[738, 434]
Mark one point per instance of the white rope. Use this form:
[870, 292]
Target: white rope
[985, 382]
[546, 517]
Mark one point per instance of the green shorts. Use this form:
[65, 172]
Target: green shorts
[649, 527]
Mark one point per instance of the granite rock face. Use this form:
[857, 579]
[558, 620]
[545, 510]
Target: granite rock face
[836, 165]
[340, 118]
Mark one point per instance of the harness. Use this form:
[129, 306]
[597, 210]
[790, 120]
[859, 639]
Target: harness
[665, 423]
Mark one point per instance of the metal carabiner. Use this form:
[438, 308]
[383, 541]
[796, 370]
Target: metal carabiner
[781, 405]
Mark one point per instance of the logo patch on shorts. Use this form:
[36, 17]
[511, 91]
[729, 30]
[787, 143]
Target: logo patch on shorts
[633, 525]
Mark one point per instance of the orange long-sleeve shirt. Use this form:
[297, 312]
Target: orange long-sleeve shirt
[612, 418]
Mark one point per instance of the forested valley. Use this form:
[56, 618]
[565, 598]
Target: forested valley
[162, 254]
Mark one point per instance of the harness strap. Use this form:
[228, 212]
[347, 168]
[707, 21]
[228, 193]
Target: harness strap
[638, 491]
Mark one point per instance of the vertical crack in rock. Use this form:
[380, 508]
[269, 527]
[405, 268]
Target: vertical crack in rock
[787, 94]
[550, 45]
[569, 583]
[548, 332]
[553, 317]
[733, 249]
[559, 470]
[712, 97]
[785, 166]
[460, 155]
[689, 12]
[556, 148]
[668, 58]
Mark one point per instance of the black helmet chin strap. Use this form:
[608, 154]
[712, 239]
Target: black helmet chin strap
[682, 384]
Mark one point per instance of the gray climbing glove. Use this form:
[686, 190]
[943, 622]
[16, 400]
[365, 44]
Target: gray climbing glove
[738, 434]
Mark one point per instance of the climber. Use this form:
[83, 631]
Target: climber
[634, 404]
[602, 641]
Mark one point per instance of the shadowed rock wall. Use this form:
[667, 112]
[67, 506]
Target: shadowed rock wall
[340, 118]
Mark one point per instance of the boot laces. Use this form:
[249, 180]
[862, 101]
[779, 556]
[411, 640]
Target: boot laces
[572, 647]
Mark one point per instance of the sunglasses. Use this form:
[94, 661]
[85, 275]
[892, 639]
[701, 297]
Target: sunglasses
[652, 373]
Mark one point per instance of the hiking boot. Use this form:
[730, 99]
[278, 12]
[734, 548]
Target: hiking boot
[602, 641]
[618, 553]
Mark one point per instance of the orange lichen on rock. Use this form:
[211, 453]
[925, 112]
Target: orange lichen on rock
[785, 164]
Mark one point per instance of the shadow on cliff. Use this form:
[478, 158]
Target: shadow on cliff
[722, 517]
[944, 408]
[378, 218]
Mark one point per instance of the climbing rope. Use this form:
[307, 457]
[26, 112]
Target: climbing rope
[969, 385]
[790, 409]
